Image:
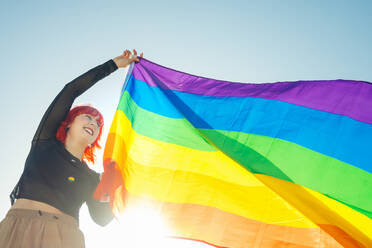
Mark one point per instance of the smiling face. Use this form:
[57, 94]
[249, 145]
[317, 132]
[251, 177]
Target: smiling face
[84, 129]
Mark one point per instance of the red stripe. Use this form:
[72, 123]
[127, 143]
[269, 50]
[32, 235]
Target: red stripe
[197, 240]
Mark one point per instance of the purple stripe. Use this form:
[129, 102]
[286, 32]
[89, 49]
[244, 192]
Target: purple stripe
[344, 97]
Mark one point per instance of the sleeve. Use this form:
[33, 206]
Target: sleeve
[100, 211]
[59, 108]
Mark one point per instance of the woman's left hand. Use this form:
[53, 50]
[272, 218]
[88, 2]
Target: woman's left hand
[126, 58]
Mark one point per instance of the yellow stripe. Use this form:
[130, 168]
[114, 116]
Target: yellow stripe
[204, 170]
[255, 202]
[322, 209]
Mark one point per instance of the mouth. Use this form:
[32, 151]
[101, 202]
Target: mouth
[89, 130]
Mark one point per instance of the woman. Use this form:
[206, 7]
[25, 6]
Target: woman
[56, 181]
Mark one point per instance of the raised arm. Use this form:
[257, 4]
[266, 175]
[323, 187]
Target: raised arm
[61, 105]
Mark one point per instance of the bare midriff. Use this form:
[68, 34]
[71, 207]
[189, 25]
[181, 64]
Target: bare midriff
[23, 203]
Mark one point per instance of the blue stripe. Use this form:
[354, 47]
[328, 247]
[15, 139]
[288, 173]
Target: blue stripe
[331, 134]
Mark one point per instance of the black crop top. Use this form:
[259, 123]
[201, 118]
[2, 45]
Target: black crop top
[52, 174]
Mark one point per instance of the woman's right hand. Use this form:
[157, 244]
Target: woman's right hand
[126, 58]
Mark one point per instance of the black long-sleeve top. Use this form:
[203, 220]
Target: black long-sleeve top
[52, 174]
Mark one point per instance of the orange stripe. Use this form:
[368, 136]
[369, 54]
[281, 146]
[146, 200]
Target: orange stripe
[341, 236]
[224, 229]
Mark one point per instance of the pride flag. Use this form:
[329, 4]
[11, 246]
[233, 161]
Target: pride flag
[283, 164]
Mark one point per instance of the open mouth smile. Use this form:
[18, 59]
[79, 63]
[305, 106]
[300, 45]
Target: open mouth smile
[89, 130]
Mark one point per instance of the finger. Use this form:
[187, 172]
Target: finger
[134, 52]
[140, 57]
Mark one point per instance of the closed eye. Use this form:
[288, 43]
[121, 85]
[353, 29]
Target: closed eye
[90, 118]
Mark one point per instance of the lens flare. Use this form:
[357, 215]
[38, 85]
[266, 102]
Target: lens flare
[144, 226]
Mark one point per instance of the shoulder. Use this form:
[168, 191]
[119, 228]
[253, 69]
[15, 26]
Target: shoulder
[43, 144]
[49, 141]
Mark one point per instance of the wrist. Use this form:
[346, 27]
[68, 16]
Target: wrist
[116, 61]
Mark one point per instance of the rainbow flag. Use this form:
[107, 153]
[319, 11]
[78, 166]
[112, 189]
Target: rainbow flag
[284, 164]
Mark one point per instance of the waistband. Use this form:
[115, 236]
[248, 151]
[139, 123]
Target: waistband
[29, 213]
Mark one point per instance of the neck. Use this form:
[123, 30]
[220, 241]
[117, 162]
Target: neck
[75, 148]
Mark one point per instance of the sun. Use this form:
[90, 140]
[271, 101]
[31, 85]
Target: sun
[143, 226]
[139, 227]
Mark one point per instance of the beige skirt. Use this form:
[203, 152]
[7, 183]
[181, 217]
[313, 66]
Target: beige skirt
[37, 229]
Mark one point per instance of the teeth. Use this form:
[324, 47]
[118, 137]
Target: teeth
[88, 130]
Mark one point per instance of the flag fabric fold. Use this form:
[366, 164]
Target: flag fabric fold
[284, 164]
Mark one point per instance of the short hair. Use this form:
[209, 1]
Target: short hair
[75, 111]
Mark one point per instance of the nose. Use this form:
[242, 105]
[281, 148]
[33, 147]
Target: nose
[93, 123]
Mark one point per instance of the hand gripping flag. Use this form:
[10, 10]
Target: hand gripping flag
[283, 164]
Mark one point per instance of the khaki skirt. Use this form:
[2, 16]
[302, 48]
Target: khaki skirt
[37, 229]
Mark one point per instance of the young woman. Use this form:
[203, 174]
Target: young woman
[56, 181]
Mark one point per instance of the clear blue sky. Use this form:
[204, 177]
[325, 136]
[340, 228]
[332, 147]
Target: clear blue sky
[46, 44]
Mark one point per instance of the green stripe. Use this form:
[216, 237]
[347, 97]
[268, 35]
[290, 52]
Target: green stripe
[329, 176]
[175, 131]
[262, 155]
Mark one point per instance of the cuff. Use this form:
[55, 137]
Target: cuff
[111, 65]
